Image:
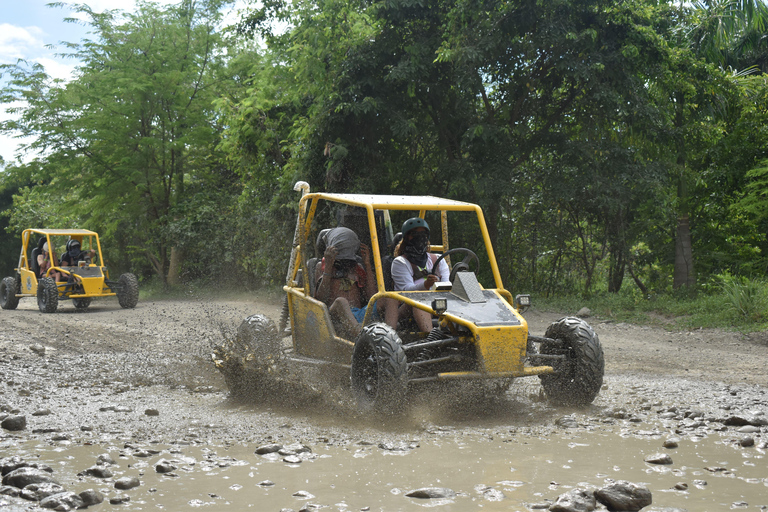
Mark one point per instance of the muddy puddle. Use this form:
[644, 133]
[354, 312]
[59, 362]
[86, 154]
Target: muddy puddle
[487, 471]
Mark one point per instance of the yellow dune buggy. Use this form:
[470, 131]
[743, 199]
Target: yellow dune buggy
[478, 332]
[84, 279]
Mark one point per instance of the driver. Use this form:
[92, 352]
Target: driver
[74, 254]
[413, 269]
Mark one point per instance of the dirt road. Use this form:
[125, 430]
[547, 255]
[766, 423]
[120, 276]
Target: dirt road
[144, 376]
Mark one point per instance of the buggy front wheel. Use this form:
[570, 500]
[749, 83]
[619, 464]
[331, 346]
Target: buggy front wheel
[128, 291]
[379, 371]
[8, 298]
[47, 295]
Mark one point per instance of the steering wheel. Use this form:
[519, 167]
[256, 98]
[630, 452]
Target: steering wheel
[461, 266]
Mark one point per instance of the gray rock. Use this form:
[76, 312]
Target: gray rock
[658, 458]
[584, 312]
[268, 448]
[36, 492]
[37, 349]
[748, 429]
[8, 464]
[42, 412]
[9, 490]
[152, 412]
[14, 423]
[105, 458]
[747, 442]
[119, 499]
[164, 466]
[625, 496]
[575, 500]
[431, 493]
[24, 476]
[97, 471]
[91, 497]
[672, 442]
[292, 459]
[127, 482]
[63, 501]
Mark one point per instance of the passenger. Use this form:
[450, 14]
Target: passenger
[344, 284]
[413, 269]
[44, 263]
[74, 254]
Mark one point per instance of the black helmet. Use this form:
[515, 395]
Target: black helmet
[73, 245]
[413, 223]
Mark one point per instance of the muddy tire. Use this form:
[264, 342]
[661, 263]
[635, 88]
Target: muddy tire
[82, 304]
[47, 295]
[379, 375]
[8, 298]
[577, 378]
[128, 291]
[250, 362]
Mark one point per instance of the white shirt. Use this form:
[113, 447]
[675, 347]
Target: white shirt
[402, 274]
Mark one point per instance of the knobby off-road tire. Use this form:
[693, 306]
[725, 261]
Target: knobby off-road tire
[128, 291]
[47, 295]
[250, 362]
[379, 375]
[578, 378]
[8, 298]
[82, 303]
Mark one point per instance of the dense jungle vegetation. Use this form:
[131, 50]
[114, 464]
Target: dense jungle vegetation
[618, 148]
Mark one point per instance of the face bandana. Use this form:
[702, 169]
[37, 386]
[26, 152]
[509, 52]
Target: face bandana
[416, 248]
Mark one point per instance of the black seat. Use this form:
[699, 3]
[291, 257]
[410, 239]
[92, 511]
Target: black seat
[33, 260]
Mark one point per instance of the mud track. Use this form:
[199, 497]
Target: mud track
[96, 375]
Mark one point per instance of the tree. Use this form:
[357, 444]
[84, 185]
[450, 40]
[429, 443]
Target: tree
[132, 138]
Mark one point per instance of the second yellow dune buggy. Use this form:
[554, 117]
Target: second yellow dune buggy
[87, 278]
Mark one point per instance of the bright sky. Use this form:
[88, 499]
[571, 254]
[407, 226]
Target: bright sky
[28, 27]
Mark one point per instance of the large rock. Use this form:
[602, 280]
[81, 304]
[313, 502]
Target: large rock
[625, 496]
[14, 423]
[38, 492]
[22, 477]
[575, 500]
[127, 482]
[63, 501]
[91, 497]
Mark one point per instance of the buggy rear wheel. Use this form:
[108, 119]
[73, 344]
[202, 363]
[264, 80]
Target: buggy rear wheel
[379, 371]
[82, 303]
[8, 298]
[250, 361]
[47, 295]
[128, 291]
[577, 378]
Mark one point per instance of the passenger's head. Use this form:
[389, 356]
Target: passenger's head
[415, 237]
[45, 247]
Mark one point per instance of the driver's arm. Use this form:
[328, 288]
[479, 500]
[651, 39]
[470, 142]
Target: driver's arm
[443, 272]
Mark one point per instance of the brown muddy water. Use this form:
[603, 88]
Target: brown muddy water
[498, 468]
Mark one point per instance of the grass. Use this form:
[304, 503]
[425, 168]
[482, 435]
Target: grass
[734, 304]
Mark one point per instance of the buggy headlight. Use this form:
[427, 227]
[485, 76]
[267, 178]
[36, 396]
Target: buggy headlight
[522, 302]
[440, 305]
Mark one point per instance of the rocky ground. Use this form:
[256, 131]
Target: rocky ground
[141, 380]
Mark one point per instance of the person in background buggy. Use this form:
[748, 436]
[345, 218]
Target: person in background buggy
[74, 254]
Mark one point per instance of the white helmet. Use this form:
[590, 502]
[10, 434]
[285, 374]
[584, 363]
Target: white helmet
[45, 247]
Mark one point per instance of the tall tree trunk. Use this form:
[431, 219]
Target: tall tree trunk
[684, 272]
[174, 266]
